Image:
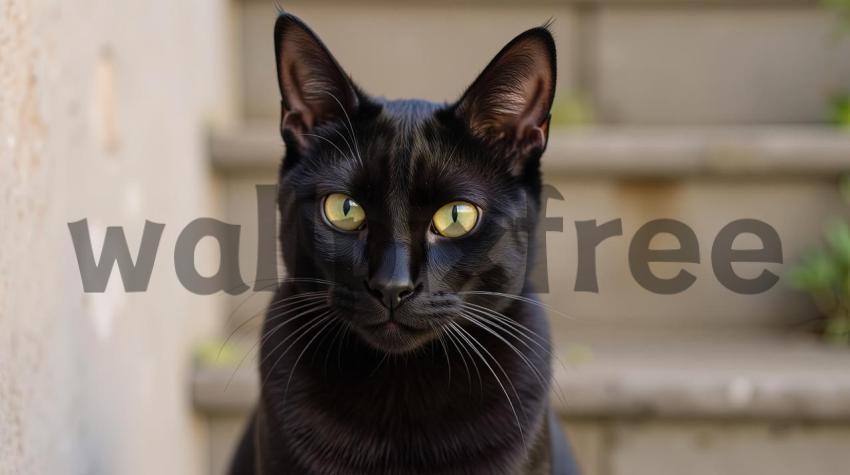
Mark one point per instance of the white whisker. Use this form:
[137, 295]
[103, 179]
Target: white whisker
[451, 337]
[292, 299]
[328, 141]
[519, 330]
[329, 320]
[520, 298]
[472, 342]
[526, 361]
[303, 312]
[350, 125]
[301, 332]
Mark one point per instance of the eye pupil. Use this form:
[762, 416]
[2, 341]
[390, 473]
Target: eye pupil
[343, 213]
[455, 219]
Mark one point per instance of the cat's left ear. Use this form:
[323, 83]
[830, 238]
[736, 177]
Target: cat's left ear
[313, 86]
[508, 104]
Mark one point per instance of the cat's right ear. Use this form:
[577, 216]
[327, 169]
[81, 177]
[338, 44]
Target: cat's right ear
[508, 104]
[313, 87]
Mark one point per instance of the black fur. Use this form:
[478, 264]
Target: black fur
[345, 393]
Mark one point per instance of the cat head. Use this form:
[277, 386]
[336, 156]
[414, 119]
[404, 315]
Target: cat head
[410, 209]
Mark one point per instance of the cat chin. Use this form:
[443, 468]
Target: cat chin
[394, 337]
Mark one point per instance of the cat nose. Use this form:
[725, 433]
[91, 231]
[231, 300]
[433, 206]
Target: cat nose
[391, 294]
[391, 283]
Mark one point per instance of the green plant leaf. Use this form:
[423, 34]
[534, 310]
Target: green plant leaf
[817, 272]
[838, 237]
[216, 353]
[842, 9]
[840, 110]
[571, 110]
[838, 330]
[844, 188]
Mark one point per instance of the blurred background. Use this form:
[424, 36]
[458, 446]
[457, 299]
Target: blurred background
[704, 111]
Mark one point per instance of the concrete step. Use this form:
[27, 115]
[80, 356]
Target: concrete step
[623, 392]
[643, 371]
[634, 62]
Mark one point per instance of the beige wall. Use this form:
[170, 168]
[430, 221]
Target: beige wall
[400, 50]
[102, 113]
[717, 62]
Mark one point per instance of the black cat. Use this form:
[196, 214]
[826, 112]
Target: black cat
[402, 341]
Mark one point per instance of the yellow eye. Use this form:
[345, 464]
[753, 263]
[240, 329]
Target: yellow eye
[455, 219]
[343, 212]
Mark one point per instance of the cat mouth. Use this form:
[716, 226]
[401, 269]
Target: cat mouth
[392, 327]
[393, 336]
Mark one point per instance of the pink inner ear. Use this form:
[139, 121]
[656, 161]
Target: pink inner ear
[509, 103]
[314, 88]
[294, 122]
[297, 108]
[535, 111]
